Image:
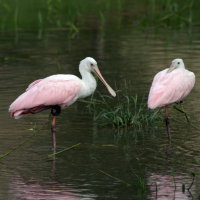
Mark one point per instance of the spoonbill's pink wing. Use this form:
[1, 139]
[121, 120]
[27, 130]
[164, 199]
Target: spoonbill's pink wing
[170, 87]
[33, 83]
[50, 91]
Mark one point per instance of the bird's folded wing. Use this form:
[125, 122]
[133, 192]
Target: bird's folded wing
[170, 87]
[33, 84]
[48, 92]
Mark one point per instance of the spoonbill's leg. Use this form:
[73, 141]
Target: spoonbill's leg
[53, 130]
[167, 122]
[55, 111]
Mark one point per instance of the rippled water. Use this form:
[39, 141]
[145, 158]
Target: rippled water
[139, 160]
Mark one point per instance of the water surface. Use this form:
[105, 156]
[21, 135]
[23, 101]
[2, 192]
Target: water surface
[144, 160]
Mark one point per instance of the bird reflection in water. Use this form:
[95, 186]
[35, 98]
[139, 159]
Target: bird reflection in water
[169, 187]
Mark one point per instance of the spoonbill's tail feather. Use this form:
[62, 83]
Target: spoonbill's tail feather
[19, 113]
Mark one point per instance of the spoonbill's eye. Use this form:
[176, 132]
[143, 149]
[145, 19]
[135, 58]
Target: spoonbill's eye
[178, 63]
[91, 64]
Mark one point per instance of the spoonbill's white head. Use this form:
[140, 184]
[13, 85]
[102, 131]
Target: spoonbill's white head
[90, 65]
[176, 63]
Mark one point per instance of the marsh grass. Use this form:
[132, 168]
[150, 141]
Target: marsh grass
[72, 15]
[141, 183]
[56, 14]
[171, 13]
[124, 111]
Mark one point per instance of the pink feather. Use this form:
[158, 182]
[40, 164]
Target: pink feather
[170, 87]
[59, 90]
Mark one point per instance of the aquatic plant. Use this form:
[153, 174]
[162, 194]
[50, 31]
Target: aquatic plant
[171, 13]
[72, 15]
[123, 111]
[141, 183]
[56, 14]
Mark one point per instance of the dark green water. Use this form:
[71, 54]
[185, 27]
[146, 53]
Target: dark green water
[142, 159]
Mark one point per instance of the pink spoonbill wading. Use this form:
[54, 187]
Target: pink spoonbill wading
[170, 85]
[57, 92]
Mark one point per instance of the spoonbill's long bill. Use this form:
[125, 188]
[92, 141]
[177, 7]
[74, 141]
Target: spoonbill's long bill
[171, 85]
[57, 92]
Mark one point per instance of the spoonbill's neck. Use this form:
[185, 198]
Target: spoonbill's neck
[88, 78]
[182, 66]
[89, 83]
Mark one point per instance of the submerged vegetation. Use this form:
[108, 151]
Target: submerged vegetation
[124, 111]
[76, 14]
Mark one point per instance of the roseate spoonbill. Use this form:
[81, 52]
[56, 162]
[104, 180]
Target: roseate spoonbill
[170, 85]
[57, 92]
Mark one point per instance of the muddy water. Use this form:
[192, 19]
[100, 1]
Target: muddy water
[148, 168]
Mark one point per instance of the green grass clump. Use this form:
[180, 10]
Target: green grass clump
[123, 111]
